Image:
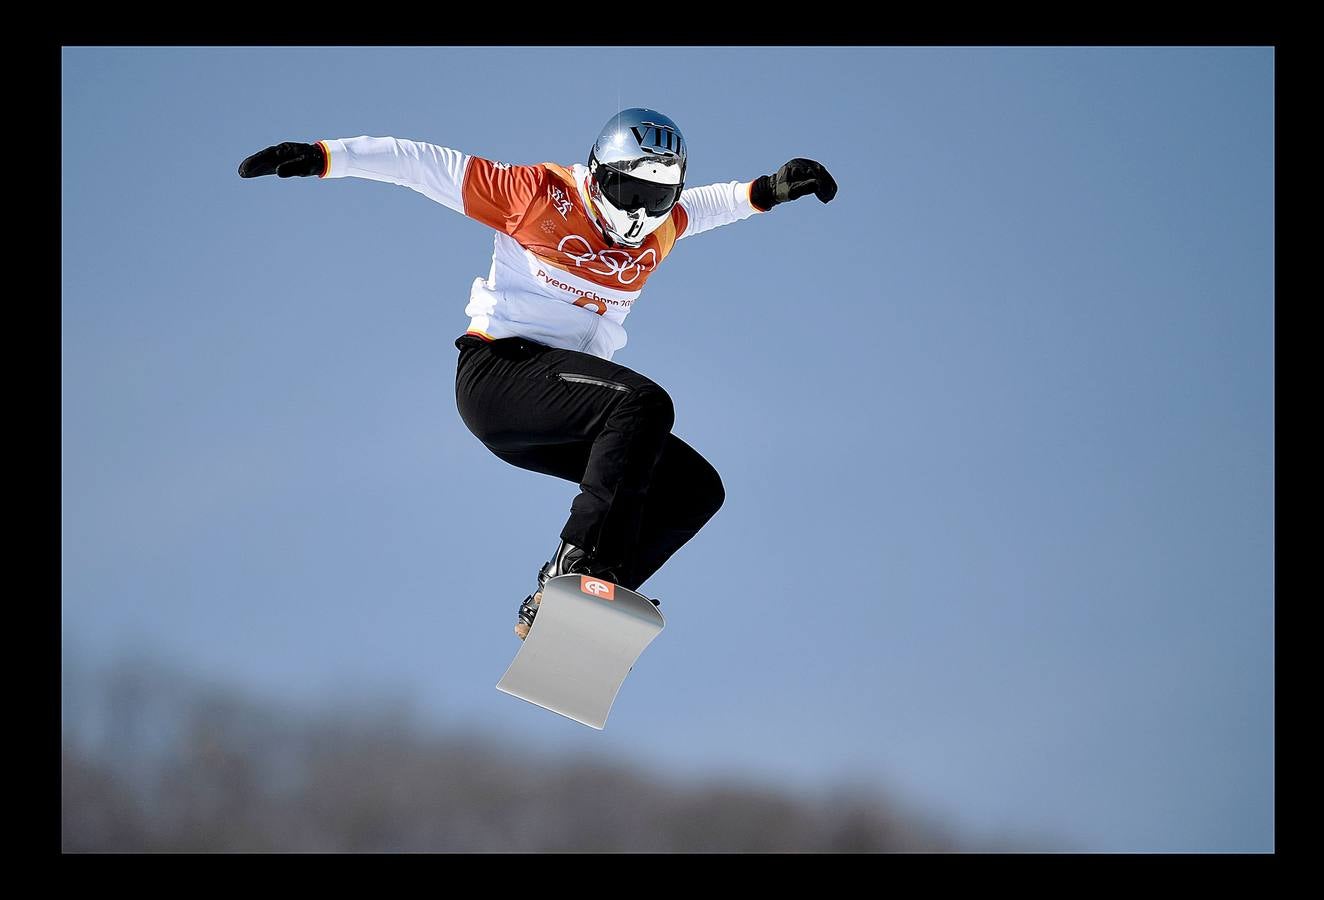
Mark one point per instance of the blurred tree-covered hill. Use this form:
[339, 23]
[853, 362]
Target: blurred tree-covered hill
[154, 760]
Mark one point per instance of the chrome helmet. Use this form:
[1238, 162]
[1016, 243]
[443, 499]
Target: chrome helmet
[637, 168]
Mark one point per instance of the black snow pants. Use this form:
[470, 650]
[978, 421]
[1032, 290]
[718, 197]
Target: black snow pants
[643, 492]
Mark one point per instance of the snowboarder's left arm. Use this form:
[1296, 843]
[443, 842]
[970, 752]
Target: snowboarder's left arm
[705, 208]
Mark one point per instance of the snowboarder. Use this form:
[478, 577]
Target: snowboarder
[574, 247]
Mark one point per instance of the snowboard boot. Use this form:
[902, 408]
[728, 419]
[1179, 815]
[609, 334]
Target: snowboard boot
[567, 560]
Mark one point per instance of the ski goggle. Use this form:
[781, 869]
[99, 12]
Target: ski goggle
[626, 192]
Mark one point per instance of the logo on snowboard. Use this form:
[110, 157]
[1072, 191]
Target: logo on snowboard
[604, 590]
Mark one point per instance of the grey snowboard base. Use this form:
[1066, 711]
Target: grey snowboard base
[584, 641]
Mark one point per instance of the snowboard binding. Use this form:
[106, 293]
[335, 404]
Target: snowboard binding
[567, 560]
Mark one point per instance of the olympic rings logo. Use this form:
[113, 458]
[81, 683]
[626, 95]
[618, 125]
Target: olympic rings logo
[608, 262]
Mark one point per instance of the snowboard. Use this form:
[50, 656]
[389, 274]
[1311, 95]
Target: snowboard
[585, 639]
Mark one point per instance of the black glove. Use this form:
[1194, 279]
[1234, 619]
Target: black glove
[791, 182]
[286, 160]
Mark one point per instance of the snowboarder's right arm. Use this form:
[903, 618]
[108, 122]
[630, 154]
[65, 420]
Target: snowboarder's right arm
[495, 194]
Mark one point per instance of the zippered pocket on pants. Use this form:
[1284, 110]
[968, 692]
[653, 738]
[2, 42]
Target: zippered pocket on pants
[588, 379]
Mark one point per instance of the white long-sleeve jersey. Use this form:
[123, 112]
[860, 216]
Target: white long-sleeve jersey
[554, 278]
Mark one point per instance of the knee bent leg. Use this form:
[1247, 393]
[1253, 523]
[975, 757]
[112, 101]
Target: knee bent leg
[655, 403]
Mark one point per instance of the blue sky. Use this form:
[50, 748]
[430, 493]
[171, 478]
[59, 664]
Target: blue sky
[996, 425]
